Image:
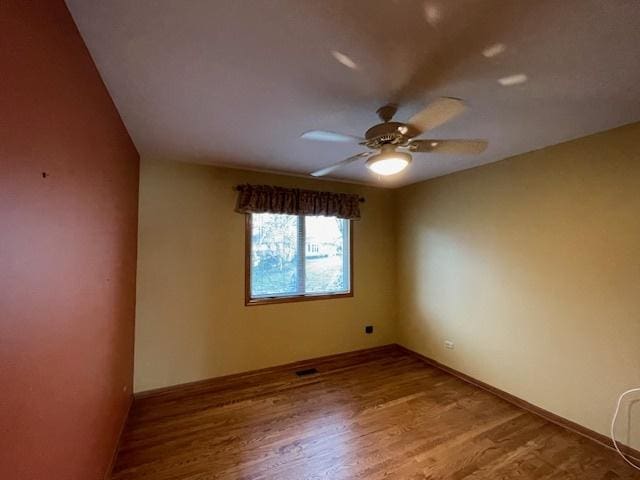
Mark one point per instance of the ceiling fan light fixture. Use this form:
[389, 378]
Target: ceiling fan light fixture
[388, 162]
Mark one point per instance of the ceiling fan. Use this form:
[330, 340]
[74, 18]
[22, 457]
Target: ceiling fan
[391, 143]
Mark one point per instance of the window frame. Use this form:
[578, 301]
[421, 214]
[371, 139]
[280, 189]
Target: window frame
[298, 297]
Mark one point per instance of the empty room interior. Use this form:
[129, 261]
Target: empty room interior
[342, 239]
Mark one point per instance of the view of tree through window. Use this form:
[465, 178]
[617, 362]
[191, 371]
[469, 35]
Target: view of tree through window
[296, 255]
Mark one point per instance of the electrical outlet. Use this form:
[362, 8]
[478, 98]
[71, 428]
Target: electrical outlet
[368, 329]
[449, 344]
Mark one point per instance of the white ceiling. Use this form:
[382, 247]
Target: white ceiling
[235, 82]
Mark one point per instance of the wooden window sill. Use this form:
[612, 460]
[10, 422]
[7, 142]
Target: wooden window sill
[295, 298]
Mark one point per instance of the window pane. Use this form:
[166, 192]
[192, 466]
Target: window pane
[326, 255]
[274, 255]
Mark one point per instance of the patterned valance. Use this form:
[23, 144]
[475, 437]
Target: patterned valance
[294, 201]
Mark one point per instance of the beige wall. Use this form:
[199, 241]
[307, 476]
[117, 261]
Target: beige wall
[531, 266]
[191, 320]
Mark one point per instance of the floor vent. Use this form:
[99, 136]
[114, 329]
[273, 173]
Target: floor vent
[308, 371]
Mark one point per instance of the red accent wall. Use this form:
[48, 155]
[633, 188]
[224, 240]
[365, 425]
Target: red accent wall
[68, 222]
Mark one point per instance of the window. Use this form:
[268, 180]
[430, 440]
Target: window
[297, 257]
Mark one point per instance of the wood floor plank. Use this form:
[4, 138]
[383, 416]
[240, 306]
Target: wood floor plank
[379, 414]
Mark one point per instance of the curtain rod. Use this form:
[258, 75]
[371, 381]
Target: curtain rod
[239, 188]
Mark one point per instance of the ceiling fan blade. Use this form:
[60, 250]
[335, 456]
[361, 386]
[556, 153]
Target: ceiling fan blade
[456, 147]
[436, 113]
[324, 171]
[326, 136]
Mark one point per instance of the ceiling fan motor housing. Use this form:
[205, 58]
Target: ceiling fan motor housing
[395, 133]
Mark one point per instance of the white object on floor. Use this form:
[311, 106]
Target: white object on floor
[613, 424]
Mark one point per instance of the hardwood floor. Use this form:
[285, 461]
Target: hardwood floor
[372, 415]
